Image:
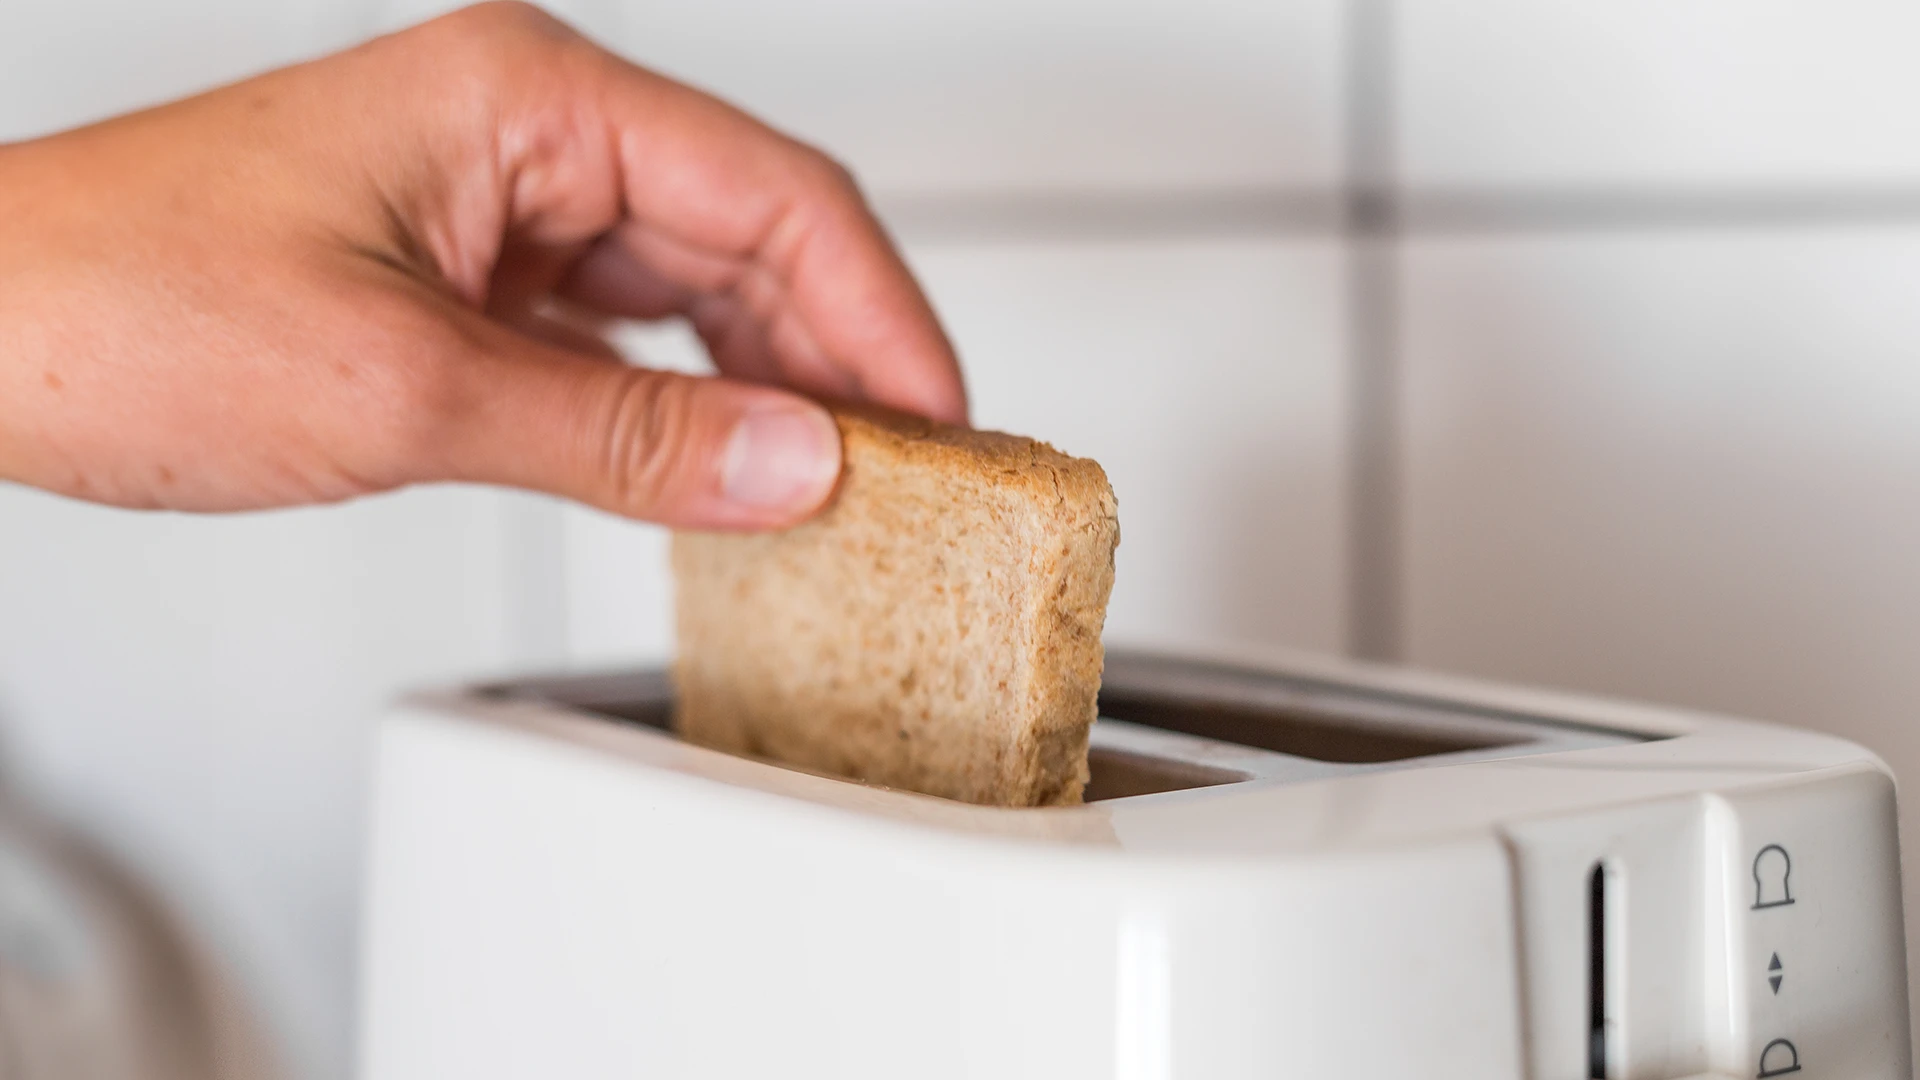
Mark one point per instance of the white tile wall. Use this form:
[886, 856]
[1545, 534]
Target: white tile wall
[1208, 379]
[998, 96]
[1656, 93]
[199, 692]
[1676, 467]
[76, 61]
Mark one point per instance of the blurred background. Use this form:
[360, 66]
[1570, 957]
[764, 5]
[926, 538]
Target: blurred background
[1566, 343]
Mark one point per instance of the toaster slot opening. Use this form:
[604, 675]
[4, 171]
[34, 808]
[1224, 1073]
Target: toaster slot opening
[646, 699]
[1120, 774]
[1170, 725]
[1322, 735]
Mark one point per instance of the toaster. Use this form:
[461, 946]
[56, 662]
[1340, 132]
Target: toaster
[1285, 866]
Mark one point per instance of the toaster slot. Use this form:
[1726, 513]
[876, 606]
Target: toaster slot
[1121, 774]
[1317, 734]
[1171, 725]
[1299, 720]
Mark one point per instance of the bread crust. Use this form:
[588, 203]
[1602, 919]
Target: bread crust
[936, 627]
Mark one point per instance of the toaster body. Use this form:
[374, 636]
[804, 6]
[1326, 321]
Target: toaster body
[1286, 866]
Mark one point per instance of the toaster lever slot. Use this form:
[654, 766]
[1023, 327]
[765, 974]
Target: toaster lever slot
[1597, 973]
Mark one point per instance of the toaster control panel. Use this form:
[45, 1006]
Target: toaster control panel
[1808, 877]
[1751, 932]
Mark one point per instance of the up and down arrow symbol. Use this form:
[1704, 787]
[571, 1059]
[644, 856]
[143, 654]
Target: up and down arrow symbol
[1774, 973]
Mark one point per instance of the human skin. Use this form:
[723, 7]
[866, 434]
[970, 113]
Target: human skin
[388, 267]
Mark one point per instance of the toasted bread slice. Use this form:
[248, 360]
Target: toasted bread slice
[935, 628]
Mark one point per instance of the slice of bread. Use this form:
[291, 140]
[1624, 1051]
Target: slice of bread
[935, 628]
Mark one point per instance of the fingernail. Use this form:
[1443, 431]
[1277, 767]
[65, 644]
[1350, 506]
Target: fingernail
[781, 457]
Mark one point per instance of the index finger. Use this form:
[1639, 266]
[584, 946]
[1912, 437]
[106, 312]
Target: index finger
[712, 202]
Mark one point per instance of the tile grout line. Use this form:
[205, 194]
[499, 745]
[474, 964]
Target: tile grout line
[1373, 484]
[1093, 216]
[1113, 216]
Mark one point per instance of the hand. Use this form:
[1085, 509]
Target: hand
[388, 266]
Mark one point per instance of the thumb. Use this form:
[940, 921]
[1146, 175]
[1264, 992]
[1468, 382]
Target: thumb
[697, 453]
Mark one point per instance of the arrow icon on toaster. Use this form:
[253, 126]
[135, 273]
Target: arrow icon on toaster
[1776, 974]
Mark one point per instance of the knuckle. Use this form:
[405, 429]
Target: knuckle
[475, 65]
[507, 19]
[489, 39]
[647, 441]
[830, 174]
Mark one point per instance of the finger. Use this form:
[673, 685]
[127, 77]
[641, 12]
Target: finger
[608, 278]
[718, 203]
[740, 338]
[738, 345]
[687, 452]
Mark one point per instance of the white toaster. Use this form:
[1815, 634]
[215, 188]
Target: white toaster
[1286, 867]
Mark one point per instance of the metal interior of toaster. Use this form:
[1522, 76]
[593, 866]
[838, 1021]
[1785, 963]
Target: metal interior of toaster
[1172, 725]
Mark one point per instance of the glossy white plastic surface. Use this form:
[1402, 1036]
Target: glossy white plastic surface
[558, 894]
